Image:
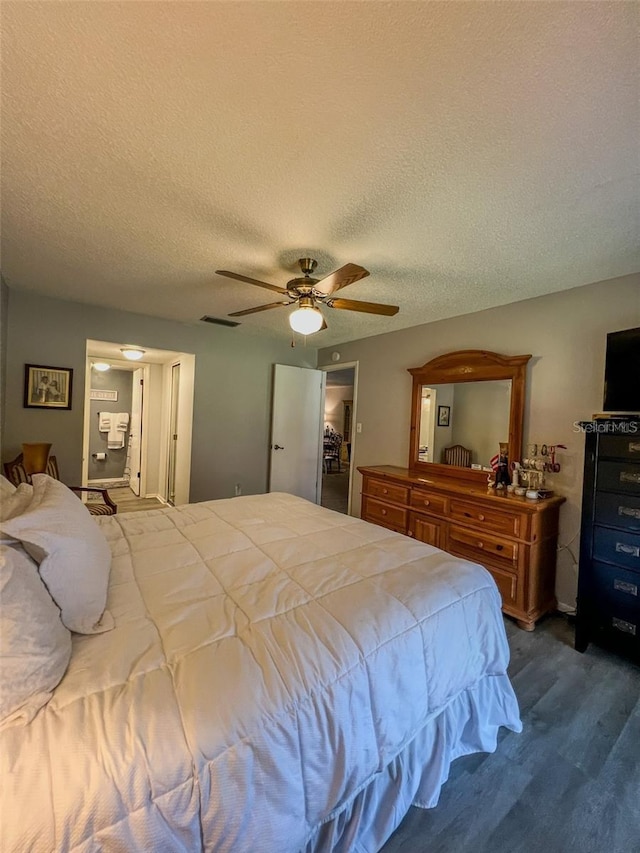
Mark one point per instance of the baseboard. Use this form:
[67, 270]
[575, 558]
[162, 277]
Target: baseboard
[108, 480]
[566, 608]
[158, 498]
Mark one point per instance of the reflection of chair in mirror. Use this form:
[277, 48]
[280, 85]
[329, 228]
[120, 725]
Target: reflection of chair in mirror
[457, 455]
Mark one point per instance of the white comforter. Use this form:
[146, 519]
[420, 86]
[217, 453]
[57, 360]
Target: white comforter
[269, 658]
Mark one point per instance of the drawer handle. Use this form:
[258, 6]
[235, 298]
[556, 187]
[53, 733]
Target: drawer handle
[629, 511]
[499, 547]
[634, 447]
[629, 477]
[384, 512]
[480, 544]
[479, 516]
[626, 627]
[624, 586]
[385, 491]
[426, 502]
[631, 550]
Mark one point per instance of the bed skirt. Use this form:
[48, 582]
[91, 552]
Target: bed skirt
[468, 724]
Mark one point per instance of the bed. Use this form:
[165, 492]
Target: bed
[279, 678]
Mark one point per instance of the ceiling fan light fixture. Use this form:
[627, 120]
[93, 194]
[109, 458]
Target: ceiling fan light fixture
[306, 320]
[132, 353]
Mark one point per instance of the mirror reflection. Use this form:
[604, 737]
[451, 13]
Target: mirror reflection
[463, 423]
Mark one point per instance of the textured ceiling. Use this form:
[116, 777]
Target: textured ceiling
[467, 154]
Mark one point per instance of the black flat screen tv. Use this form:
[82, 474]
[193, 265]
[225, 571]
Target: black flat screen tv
[622, 372]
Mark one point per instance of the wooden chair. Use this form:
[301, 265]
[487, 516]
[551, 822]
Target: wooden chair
[15, 472]
[457, 455]
[331, 451]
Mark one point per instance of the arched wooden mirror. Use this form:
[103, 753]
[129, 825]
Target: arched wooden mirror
[464, 404]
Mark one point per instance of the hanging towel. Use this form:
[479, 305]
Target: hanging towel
[115, 425]
[118, 431]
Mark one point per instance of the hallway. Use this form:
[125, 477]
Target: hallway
[335, 490]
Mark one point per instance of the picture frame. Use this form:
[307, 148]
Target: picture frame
[47, 387]
[100, 394]
[444, 415]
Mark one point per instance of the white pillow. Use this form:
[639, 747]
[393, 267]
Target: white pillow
[35, 647]
[6, 488]
[14, 502]
[75, 559]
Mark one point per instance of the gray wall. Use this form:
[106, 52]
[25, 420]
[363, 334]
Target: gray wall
[4, 325]
[232, 386]
[112, 380]
[566, 334]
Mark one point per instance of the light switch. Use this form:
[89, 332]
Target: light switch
[358, 427]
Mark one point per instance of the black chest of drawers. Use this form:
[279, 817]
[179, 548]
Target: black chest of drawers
[609, 580]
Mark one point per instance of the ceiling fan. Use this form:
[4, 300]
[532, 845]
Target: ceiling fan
[309, 292]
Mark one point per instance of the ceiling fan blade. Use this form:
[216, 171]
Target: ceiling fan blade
[251, 281]
[347, 274]
[259, 308]
[366, 307]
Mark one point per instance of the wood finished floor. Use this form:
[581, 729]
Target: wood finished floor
[128, 502]
[570, 783]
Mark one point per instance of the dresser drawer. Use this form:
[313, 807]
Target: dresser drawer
[617, 547]
[427, 529]
[621, 446]
[621, 511]
[428, 501]
[615, 585]
[489, 519]
[507, 584]
[623, 477]
[482, 548]
[394, 517]
[387, 491]
[616, 619]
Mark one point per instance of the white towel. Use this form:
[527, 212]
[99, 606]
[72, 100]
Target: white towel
[115, 425]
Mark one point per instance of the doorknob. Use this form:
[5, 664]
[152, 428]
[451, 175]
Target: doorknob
[277, 447]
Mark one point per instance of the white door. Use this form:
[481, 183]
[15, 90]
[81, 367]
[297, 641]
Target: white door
[296, 431]
[173, 432]
[135, 431]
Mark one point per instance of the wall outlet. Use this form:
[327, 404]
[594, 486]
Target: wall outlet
[238, 489]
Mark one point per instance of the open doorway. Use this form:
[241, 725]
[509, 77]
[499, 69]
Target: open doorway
[137, 425]
[339, 437]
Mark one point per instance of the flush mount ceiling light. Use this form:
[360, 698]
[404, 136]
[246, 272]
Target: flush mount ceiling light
[132, 353]
[101, 366]
[307, 319]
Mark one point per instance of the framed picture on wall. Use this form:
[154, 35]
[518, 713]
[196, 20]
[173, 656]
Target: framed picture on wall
[47, 387]
[444, 413]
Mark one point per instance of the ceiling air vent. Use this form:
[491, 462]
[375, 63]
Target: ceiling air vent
[219, 322]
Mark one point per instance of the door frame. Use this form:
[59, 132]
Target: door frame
[156, 403]
[330, 368]
[187, 362]
[116, 365]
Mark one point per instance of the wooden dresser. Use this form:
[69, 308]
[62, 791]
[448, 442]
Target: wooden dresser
[514, 538]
